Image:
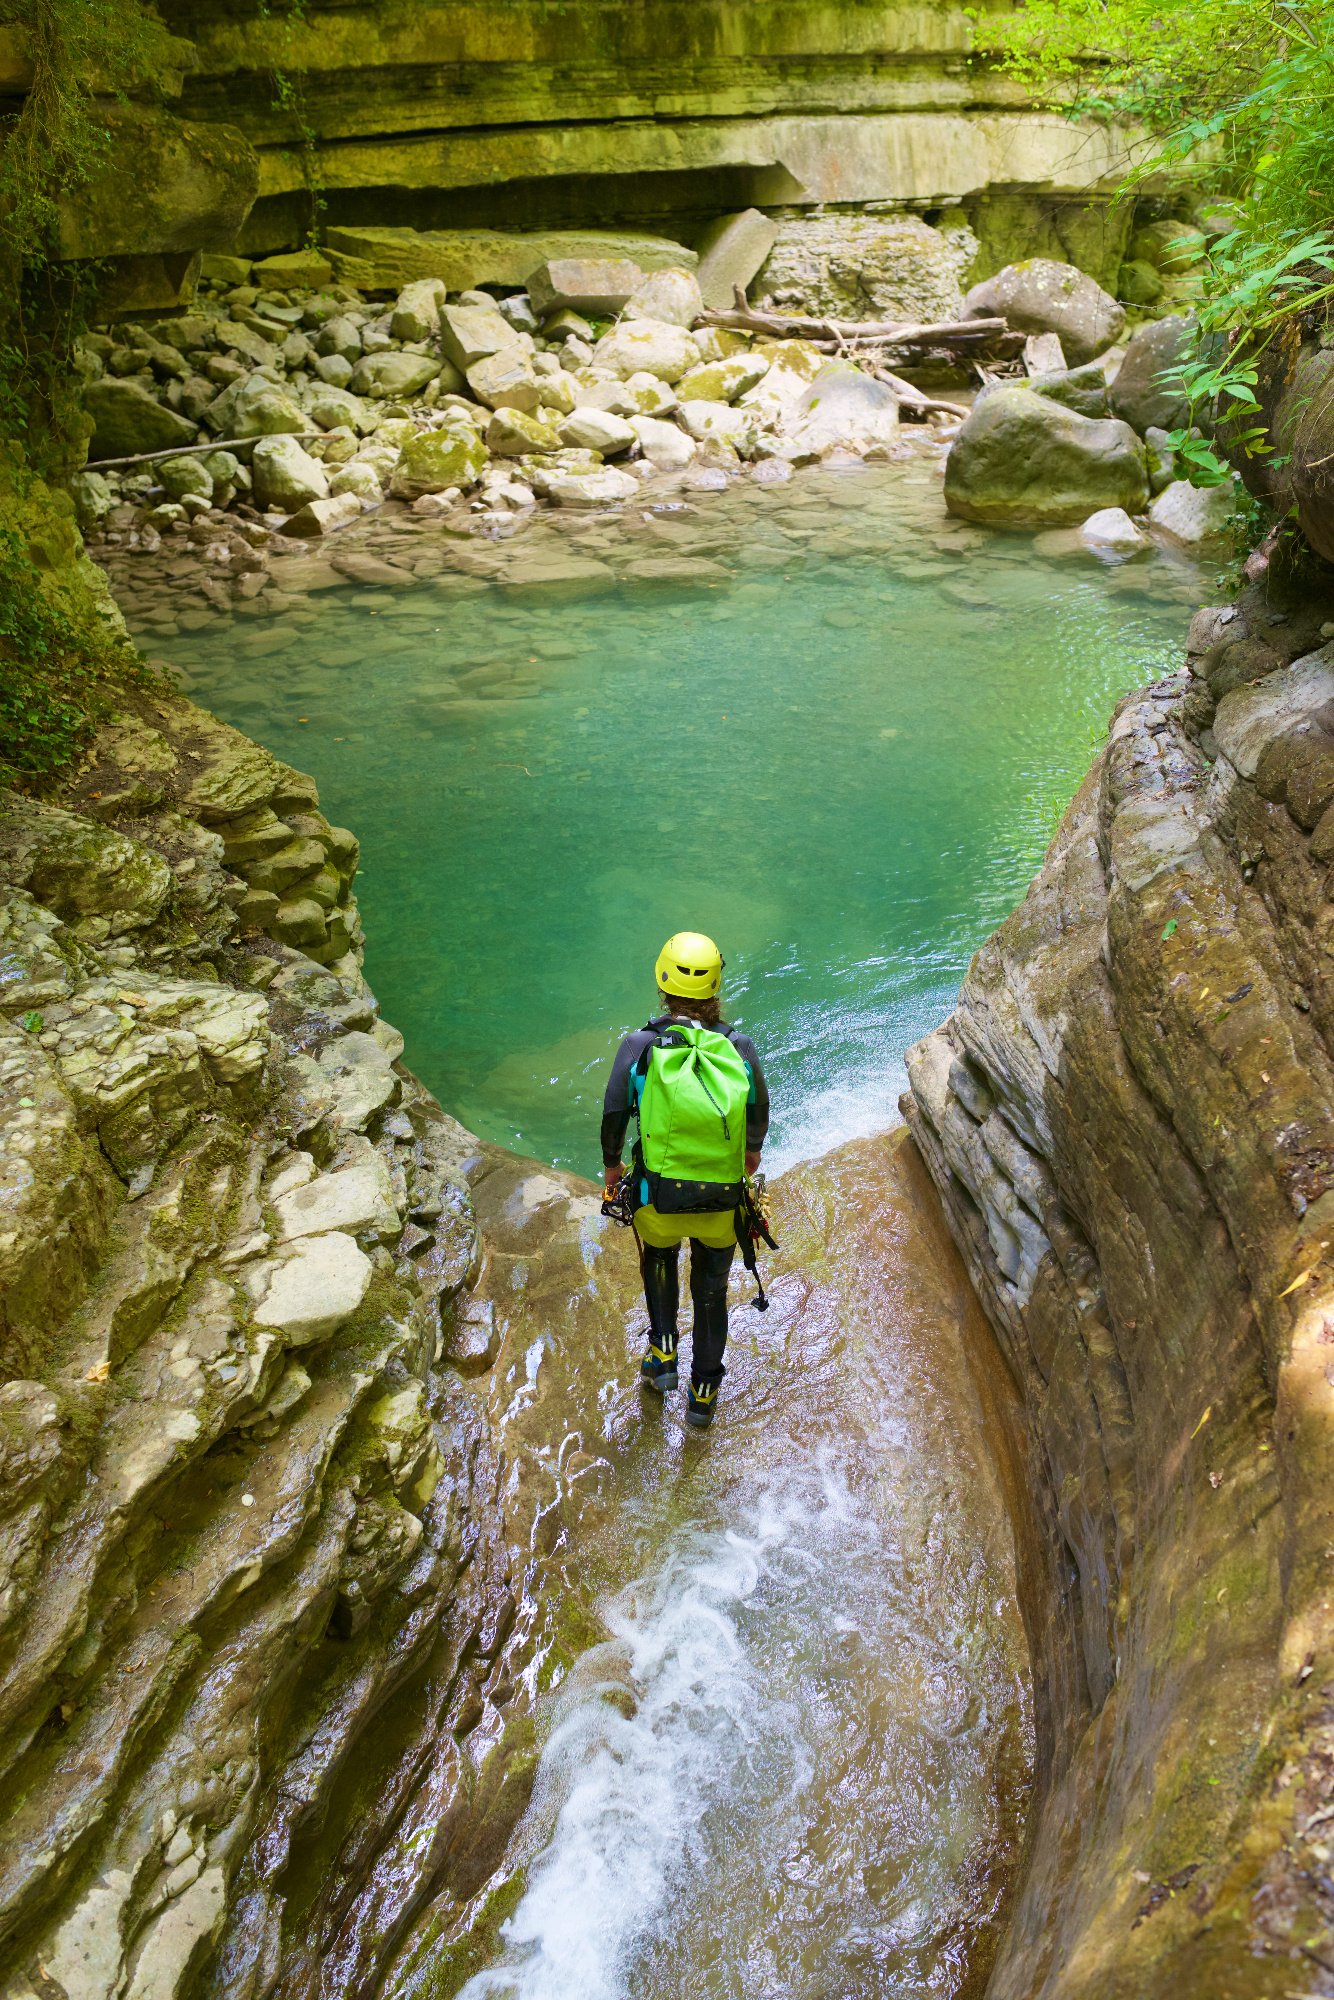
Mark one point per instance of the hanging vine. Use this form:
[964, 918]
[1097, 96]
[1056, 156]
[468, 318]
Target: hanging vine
[288, 79]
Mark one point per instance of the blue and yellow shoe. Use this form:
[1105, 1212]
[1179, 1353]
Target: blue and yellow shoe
[701, 1404]
[658, 1369]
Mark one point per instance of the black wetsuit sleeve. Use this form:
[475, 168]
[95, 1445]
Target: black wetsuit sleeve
[616, 1103]
[757, 1114]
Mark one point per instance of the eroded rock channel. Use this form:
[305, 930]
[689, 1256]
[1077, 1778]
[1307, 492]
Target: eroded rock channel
[326, 1469]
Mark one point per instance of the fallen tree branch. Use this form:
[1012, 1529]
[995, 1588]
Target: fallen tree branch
[191, 450]
[745, 318]
[907, 394]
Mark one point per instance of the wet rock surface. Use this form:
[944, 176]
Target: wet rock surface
[255, 1505]
[1128, 1119]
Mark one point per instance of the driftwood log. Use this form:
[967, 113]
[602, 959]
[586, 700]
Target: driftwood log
[195, 450]
[859, 339]
[838, 334]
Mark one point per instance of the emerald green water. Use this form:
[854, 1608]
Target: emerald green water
[843, 762]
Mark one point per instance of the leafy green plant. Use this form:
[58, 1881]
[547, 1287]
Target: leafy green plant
[57, 680]
[1235, 95]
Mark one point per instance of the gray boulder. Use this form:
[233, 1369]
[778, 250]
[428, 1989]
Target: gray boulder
[506, 381]
[469, 334]
[671, 296]
[93, 498]
[647, 346]
[1042, 296]
[417, 310]
[392, 375]
[187, 475]
[844, 406]
[1139, 395]
[339, 336]
[1139, 283]
[126, 421]
[1193, 514]
[334, 370]
[331, 407]
[285, 475]
[1023, 460]
[585, 284]
[731, 251]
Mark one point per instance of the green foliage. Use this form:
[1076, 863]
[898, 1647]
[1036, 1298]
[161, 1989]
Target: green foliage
[57, 680]
[1169, 63]
[1237, 94]
[81, 53]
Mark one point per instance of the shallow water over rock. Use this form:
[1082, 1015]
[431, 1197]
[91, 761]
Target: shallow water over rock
[820, 720]
[800, 1764]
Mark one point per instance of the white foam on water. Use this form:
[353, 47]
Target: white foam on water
[818, 1123]
[648, 1800]
[687, 1833]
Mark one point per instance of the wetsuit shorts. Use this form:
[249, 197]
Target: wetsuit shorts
[717, 1231]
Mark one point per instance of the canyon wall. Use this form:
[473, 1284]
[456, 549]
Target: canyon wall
[262, 1503]
[653, 115]
[1130, 1120]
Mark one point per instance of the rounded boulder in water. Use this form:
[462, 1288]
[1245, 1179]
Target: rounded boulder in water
[1113, 530]
[1023, 461]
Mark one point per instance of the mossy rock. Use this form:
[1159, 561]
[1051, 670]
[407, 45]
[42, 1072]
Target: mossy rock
[126, 421]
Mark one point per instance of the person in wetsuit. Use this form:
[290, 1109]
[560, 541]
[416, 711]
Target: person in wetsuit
[689, 978]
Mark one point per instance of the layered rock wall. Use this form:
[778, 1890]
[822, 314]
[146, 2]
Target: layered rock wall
[468, 115]
[254, 1512]
[1130, 1120]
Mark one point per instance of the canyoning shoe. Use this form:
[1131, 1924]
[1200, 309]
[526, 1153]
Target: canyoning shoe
[658, 1369]
[701, 1404]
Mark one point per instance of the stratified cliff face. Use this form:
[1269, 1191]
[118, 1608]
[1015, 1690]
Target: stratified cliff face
[521, 113]
[1130, 1119]
[260, 1507]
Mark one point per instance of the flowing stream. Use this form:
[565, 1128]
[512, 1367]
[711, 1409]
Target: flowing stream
[800, 1767]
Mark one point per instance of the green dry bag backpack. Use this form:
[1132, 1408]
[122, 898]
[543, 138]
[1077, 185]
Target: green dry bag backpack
[692, 1093]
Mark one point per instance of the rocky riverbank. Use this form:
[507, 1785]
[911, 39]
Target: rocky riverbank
[1128, 1117]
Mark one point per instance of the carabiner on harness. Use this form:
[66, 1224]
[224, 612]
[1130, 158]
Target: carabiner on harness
[752, 1226]
[618, 1201]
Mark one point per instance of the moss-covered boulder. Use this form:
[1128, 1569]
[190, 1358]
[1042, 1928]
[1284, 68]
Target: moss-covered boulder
[128, 420]
[436, 460]
[1022, 460]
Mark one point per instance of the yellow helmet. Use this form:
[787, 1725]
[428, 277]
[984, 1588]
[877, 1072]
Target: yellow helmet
[690, 965]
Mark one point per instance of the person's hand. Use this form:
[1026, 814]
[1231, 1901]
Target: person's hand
[613, 1176]
[752, 1162]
